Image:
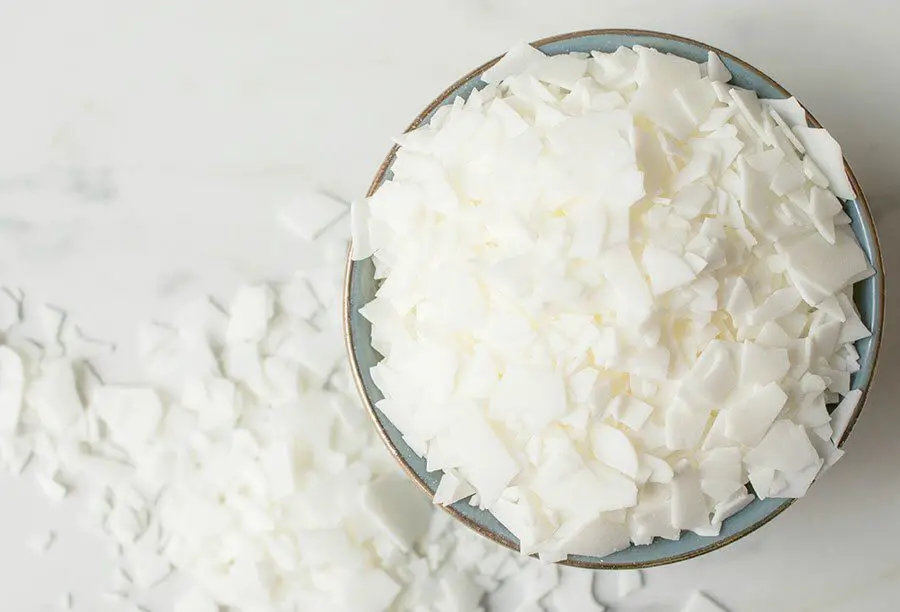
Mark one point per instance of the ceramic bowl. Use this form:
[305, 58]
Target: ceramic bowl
[360, 289]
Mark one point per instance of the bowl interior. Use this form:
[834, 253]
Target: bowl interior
[361, 286]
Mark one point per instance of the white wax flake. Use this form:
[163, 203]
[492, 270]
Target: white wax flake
[788, 109]
[249, 313]
[823, 206]
[612, 447]
[361, 245]
[689, 509]
[826, 153]
[785, 130]
[698, 602]
[716, 69]
[452, 489]
[519, 59]
[311, 213]
[730, 507]
[65, 601]
[131, 414]
[530, 395]
[814, 173]
[630, 412]
[666, 270]
[54, 395]
[843, 413]
[748, 421]
[786, 447]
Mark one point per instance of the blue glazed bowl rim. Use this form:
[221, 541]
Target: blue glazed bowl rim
[587, 562]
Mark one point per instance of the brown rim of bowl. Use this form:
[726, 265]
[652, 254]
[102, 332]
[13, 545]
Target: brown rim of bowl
[379, 177]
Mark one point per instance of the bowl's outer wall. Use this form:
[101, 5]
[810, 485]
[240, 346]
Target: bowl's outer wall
[868, 294]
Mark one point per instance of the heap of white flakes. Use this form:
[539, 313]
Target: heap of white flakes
[614, 291]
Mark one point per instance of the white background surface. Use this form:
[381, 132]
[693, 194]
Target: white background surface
[145, 147]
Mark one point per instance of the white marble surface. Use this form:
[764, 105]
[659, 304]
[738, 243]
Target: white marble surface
[145, 146]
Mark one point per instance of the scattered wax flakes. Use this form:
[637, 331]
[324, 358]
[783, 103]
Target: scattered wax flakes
[249, 475]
